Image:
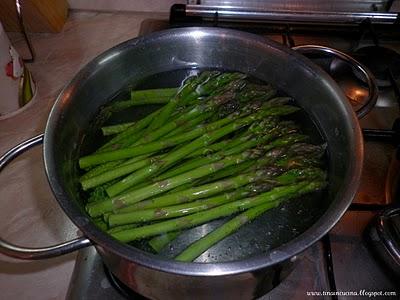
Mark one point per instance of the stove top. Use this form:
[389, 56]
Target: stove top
[343, 252]
[341, 264]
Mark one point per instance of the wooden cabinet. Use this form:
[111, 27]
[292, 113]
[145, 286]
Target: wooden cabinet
[39, 15]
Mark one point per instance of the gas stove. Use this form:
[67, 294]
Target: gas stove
[348, 260]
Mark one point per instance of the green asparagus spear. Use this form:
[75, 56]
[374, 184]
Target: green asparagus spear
[188, 92]
[206, 242]
[152, 96]
[130, 132]
[174, 156]
[121, 228]
[117, 128]
[99, 158]
[118, 171]
[160, 207]
[200, 142]
[140, 97]
[97, 209]
[160, 241]
[111, 165]
[141, 216]
[278, 193]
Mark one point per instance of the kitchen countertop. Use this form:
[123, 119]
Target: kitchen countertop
[30, 215]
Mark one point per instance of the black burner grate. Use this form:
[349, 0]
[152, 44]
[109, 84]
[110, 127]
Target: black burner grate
[119, 286]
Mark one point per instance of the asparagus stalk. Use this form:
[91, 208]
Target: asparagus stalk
[200, 142]
[226, 172]
[115, 165]
[264, 111]
[97, 209]
[196, 162]
[188, 92]
[160, 207]
[171, 125]
[224, 144]
[141, 216]
[174, 156]
[114, 129]
[139, 97]
[160, 241]
[216, 102]
[147, 135]
[212, 102]
[189, 125]
[285, 192]
[118, 171]
[190, 194]
[99, 158]
[256, 92]
[121, 228]
[175, 204]
[112, 165]
[152, 96]
[130, 132]
[100, 169]
[272, 158]
[190, 165]
[230, 147]
[201, 245]
[154, 166]
[276, 147]
[277, 144]
[206, 242]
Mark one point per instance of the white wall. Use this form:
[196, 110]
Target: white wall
[125, 5]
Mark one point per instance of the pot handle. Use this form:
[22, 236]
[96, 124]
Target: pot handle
[35, 253]
[369, 77]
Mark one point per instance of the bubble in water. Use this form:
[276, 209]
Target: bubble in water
[105, 284]
[171, 248]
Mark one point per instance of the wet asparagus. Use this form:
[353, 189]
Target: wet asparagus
[278, 193]
[198, 158]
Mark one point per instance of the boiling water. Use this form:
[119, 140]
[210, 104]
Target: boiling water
[269, 231]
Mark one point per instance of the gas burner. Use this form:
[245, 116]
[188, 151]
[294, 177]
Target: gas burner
[122, 289]
[348, 73]
[383, 238]
[380, 61]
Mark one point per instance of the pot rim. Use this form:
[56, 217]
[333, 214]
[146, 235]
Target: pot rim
[284, 252]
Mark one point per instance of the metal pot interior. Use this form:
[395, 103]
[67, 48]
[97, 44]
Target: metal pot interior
[277, 235]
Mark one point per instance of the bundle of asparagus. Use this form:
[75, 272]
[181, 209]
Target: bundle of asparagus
[220, 146]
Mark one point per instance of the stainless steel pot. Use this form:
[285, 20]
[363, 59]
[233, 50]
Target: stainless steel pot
[77, 105]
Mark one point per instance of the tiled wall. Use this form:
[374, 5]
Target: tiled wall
[125, 5]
